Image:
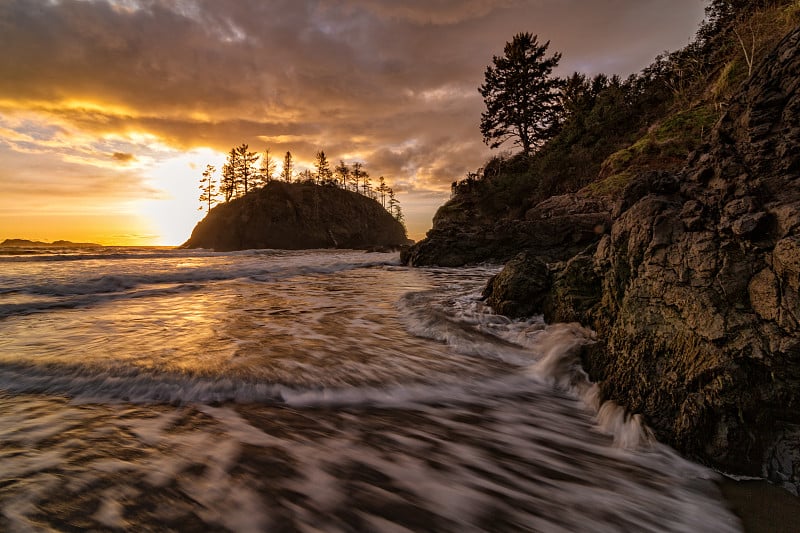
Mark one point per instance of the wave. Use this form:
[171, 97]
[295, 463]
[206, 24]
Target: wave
[125, 281]
[548, 354]
[17, 255]
[38, 305]
[21, 255]
[455, 315]
[20, 252]
[137, 282]
[86, 384]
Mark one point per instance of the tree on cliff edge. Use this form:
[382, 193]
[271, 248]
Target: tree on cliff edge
[244, 166]
[266, 170]
[208, 189]
[228, 185]
[324, 174]
[521, 95]
[286, 173]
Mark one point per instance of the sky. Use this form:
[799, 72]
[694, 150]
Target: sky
[110, 109]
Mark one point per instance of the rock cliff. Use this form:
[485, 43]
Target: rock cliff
[695, 289]
[556, 228]
[297, 216]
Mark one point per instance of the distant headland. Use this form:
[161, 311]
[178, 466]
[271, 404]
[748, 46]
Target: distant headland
[25, 243]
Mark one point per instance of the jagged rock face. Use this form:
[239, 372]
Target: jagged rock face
[695, 292]
[555, 229]
[298, 216]
[700, 280]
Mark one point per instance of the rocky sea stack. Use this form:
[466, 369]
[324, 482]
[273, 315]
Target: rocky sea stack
[690, 276]
[298, 216]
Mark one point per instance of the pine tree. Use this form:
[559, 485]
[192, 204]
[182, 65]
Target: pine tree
[399, 216]
[343, 173]
[208, 189]
[287, 172]
[382, 189]
[306, 176]
[394, 204]
[266, 170]
[521, 95]
[366, 187]
[357, 174]
[229, 185]
[244, 167]
[324, 175]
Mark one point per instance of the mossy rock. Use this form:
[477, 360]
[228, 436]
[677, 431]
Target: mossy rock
[520, 288]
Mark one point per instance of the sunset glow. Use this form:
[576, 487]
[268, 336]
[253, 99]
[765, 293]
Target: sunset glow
[110, 110]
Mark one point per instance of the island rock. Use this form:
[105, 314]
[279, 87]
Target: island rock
[297, 216]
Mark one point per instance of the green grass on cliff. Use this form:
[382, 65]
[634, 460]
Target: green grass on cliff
[650, 121]
[664, 147]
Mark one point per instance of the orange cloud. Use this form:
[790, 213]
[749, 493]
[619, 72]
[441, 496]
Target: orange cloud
[85, 84]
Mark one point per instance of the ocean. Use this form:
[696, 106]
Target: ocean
[154, 389]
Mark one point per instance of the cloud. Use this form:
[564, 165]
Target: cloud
[391, 83]
[122, 157]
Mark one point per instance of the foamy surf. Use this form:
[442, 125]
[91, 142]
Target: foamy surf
[332, 391]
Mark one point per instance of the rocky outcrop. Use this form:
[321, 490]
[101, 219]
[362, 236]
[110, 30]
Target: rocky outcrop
[555, 229]
[695, 292]
[520, 288]
[295, 216]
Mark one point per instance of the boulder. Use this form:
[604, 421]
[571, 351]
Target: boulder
[520, 288]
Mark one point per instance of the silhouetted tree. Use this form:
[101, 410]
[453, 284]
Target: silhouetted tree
[382, 190]
[208, 189]
[358, 173]
[521, 95]
[239, 175]
[578, 93]
[394, 204]
[324, 174]
[244, 166]
[398, 215]
[343, 173]
[306, 176]
[286, 173]
[228, 183]
[267, 168]
[366, 187]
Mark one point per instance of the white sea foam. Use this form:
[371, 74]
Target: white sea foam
[290, 390]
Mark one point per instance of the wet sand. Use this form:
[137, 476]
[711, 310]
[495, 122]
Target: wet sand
[762, 507]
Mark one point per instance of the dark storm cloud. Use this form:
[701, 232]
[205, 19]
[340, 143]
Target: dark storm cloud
[391, 82]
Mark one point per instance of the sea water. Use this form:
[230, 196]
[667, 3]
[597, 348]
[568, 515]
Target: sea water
[151, 389]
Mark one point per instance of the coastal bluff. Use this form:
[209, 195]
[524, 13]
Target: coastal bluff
[298, 216]
[690, 277]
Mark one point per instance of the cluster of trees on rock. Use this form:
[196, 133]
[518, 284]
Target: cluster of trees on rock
[567, 128]
[245, 170]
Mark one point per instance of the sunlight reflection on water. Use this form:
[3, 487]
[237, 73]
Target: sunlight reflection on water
[301, 391]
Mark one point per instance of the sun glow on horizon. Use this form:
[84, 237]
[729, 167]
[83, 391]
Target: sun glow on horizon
[175, 213]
